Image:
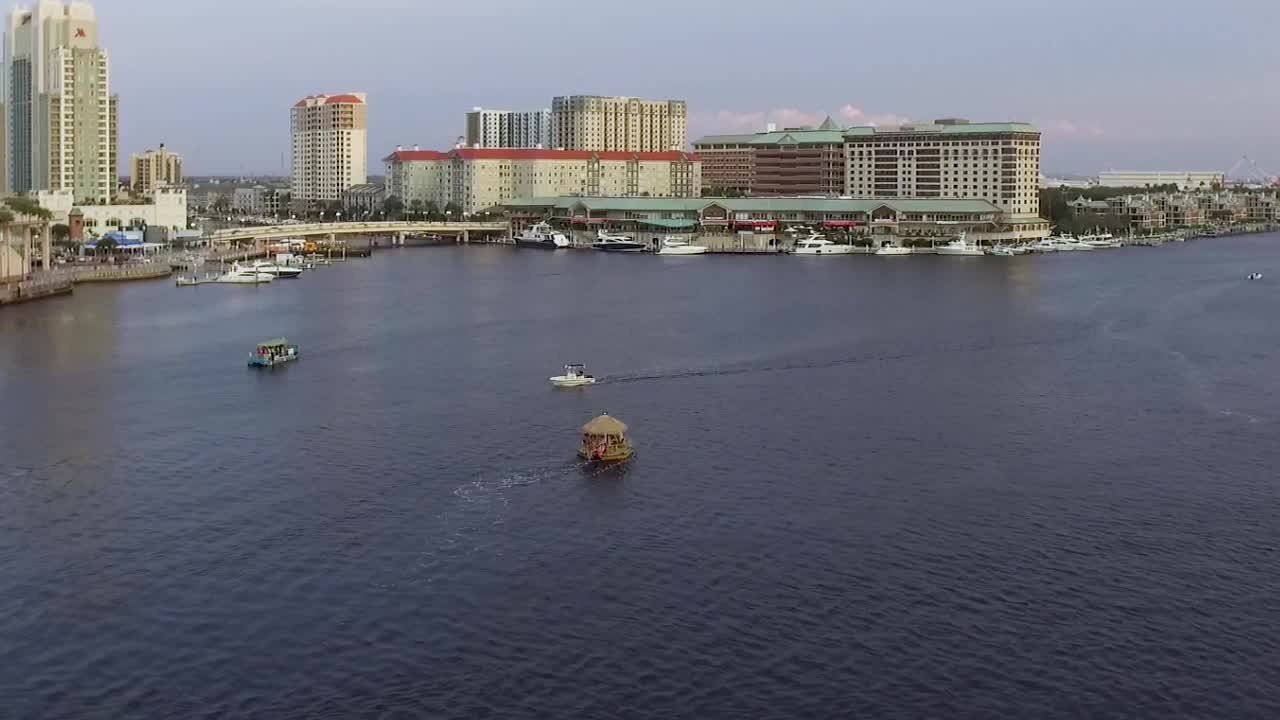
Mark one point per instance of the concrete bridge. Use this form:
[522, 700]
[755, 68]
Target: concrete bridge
[462, 231]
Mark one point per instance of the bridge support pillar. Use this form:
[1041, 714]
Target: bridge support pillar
[399, 239]
[466, 237]
[46, 248]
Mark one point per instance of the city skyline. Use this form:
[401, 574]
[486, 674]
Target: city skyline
[1139, 86]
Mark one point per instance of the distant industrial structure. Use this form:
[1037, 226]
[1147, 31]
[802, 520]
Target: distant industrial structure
[1183, 179]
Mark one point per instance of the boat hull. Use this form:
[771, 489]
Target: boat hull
[624, 246]
[893, 251]
[829, 250]
[613, 455]
[690, 250]
[958, 253]
[538, 244]
[562, 381]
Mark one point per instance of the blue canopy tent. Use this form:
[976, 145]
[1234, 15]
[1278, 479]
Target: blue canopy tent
[125, 240]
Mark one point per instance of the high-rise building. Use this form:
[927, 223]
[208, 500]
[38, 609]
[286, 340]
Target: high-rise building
[793, 161]
[476, 179]
[952, 158]
[154, 169]
[330, 141]
[508, 129]
[62, 120]
[626, 124]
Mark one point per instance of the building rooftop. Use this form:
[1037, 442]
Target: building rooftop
[534, 154]
[773, 204]
[829, 134]
[340, 99]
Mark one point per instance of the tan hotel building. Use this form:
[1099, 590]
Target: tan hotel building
[622, 124]
[154, 169]
[479, 178]
[947, 159]
[330, 140]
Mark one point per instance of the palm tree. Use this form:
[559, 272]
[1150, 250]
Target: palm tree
[6, 218]
[41, 216]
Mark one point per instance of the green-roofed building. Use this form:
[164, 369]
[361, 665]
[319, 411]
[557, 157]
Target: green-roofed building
[945, 159]
[713, 220]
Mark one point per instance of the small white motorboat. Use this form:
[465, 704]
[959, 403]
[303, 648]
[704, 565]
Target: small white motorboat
[575, 375]
[1255, 276]
[676, 246]
[1001, 251]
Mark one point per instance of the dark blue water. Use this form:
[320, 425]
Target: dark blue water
[1038, 487]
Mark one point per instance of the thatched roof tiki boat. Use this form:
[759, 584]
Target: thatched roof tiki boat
[605, 440]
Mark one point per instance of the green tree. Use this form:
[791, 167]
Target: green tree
[431, 209]
[393, 207]
[61, 234]
[453, 210]
[417, 207]
[105, 244]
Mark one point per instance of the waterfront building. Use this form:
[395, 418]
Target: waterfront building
[1223, 206]
[872, 221]
[259, 200]
[475, 179]
[618, 124]
[330, 140]
[167, 208]
[62, 120]
[508, 129]
[1185, 180]
[1262, 207]
[794, 161]
[363, 200]
[154, 169]
[950, 158]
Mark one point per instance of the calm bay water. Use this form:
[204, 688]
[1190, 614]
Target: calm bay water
[866, 487]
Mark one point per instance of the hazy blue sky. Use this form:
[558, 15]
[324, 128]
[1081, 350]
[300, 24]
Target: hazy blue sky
[1159, 84]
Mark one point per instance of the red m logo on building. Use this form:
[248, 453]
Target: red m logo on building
[80, 32]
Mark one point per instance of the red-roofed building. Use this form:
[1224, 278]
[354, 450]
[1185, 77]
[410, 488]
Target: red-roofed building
[330, 139]
[475, 179]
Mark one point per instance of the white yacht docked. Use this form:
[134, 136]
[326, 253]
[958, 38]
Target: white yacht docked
[676, 246]
[279, 271]
[959, 246]
[542, 235]
[815, 244]
[888, 249]
[612, 242]
[238, 275]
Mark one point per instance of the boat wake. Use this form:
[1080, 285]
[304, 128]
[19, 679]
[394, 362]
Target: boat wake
[800, 365]
[482, 489]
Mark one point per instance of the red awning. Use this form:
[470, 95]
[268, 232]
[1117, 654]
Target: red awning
[757, 224]
[715, 221]
[841, 223]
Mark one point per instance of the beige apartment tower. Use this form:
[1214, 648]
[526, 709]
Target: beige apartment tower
[622, 124]
[61, 118]
[154, 169]
[330, 146]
